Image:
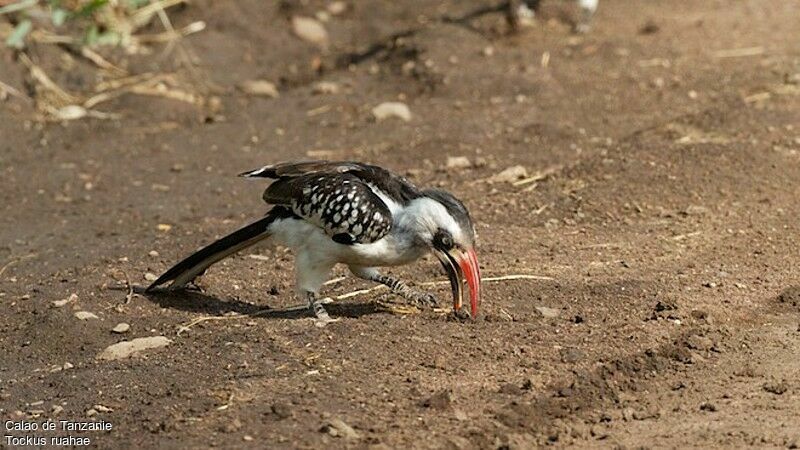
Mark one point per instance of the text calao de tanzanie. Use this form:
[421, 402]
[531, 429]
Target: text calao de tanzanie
[25, 429]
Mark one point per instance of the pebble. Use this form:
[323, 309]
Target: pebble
[336, 8]
[85, 315]
[262, 88]
[125, 349]
[121, 327]
[548, 313]
[388, 110]
[338, 428]
[310, 30]
[458, 162]
[153, 253]
[325, 87]
[150, 276]
[70, 299]
[510, 175]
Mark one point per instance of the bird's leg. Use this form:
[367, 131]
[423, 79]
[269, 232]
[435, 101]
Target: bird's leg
[521, 12]
[399, 287]
[315, 306]
[584, 23]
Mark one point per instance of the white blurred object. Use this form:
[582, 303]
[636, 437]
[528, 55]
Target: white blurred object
[523, 12]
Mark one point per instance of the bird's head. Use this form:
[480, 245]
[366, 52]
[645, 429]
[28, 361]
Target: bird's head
[443, 223]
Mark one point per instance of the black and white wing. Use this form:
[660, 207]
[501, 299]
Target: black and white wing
[341, 204]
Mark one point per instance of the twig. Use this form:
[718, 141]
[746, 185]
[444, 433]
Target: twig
[334, 281]
[681, 237]
[167, 36]
[101, 62]
[39, 75]
[129, 295]
[194, 322]
[739, 52]
[13, 91]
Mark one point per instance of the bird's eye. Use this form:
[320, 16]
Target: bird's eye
[447, 241]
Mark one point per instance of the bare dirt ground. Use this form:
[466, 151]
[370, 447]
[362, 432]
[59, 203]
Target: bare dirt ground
[664, 230]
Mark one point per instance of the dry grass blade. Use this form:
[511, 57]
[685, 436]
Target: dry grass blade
[194, 322]
[38, 74]
[168, 36]
[143, 15]
[739, 52]
[101, 62]
[163, 91]
[13, 91]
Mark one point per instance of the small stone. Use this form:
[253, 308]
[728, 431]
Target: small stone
[70, 299]
[510, 175]
[458, 162]
[150, 276]
[310, 30]
[247, 438]
[67, 366]
[163, 227]
[261, 88]
[85, 315]
[126, 349]
[121, 327]
[336, 8]
[153, 253]
[338, 428]
[325, 87]
[388, 110]
[57, 409]
[548, 313]
[488, 51]
[101, 408]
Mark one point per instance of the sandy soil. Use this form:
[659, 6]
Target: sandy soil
[663, 230]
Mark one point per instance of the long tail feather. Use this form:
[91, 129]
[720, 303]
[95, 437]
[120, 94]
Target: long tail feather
[187, 270]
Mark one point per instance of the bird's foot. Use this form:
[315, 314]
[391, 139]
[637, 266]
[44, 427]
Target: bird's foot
[321, 316]
[420, 299]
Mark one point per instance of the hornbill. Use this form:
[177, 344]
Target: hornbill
[356, 214]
